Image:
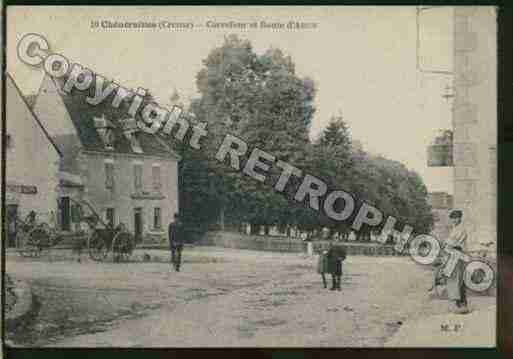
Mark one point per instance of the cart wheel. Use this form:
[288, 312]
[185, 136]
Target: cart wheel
[38, 237]
[122, 246]
[97, 249]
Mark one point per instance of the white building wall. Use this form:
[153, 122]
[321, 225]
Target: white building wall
[51, 111]
[31, 159]
[121, 197]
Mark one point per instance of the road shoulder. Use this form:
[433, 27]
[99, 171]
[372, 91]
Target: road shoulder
[475, 329]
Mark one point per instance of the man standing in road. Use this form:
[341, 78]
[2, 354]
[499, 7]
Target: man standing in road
[336, 255]
[175, 233]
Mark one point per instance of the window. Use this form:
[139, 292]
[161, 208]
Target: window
[65, 208]
[157, 218]
[157, 184]
[109, 175]
[138, 177]
[109, 216]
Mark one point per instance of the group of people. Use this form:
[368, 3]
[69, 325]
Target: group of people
[330, 261]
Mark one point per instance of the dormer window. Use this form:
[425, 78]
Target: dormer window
[105, 129]
[130, 131]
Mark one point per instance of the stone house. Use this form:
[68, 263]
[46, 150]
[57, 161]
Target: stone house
[32, 164]
[128, 176]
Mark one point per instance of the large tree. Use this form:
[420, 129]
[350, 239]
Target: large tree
[260, 99]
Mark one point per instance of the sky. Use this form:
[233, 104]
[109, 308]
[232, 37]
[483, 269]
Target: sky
[364, 61]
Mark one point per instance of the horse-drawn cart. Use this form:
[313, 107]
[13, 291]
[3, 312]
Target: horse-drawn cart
[105, 238]
[101, 240]
[33, 237]
[118, 242]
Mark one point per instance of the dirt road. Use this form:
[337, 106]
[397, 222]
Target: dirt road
[221, 297]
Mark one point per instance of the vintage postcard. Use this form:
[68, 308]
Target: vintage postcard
[250, 176]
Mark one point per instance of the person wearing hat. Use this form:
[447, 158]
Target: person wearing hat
[455, 285]
[176, 240]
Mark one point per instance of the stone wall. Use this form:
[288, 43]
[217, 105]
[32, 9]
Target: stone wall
[475, 120]
[284, 244]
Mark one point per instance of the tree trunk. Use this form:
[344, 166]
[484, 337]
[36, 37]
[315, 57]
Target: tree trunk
[254, 229]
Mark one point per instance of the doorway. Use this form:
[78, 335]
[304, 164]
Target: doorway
[12, 227]
[138, 225]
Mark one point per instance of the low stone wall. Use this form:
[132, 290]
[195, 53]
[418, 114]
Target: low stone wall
[242, 241]
[285, 244]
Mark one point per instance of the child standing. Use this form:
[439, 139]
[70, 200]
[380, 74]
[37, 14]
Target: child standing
[322, 266]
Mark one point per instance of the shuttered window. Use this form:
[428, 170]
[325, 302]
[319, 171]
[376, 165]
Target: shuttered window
[157, 184]
[138, 171]
[157, 218]
[109, 175]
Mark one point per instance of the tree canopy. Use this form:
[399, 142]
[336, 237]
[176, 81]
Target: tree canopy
[260, 99]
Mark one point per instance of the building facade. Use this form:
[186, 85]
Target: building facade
[475, 120]
[128, 176]
[441, 204]
[32, 164]
[474, 124]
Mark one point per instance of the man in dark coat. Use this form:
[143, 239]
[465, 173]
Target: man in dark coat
[176, 241]
[336, 255]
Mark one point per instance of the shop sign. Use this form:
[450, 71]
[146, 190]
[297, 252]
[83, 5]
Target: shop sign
[18, 188]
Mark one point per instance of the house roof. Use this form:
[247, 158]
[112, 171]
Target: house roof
[20, 94]
[82, 115]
